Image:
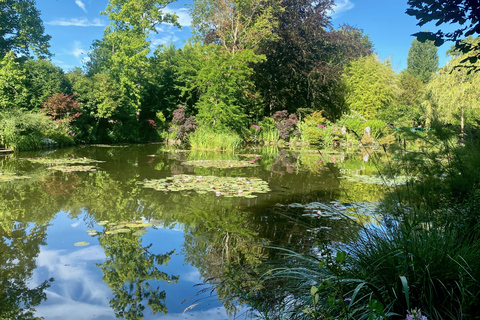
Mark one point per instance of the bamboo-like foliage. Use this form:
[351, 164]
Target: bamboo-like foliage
[454, 93]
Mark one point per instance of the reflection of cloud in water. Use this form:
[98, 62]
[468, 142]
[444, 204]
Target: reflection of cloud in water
[76, 224]
[193, 276]
[78, 291]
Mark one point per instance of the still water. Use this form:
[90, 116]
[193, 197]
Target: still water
[82, 237]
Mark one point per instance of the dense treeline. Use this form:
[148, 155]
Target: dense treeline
[255, 70]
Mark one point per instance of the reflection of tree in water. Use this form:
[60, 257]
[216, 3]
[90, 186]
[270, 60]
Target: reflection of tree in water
[128, 270]
[19, 246]
[224, 246]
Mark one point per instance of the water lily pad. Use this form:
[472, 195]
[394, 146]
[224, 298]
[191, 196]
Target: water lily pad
[6, 176]
[140, 232]
[221, 164]
[74, 168]
[221, 186]
[81, 244]
[399, 180]
[63, 161]
[102, 223]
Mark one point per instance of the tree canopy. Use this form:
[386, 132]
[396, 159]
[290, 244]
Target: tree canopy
[422, 60]
[21, 29]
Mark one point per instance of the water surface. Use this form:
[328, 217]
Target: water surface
[192, 237]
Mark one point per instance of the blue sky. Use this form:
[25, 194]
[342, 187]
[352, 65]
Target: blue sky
[74, 24]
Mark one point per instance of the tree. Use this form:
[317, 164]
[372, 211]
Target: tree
[227, 93]
[462, 12]
[407, 111]
[131, 23]
[454, 93]
[43, 80]
[304, 64]
[13, 92]
[21, 29]
[235, 24]
[422, 60]
[370, 86]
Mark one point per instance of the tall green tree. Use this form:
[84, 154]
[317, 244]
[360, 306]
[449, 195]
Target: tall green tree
[371, 87]
[127, 36]
[227, 92]
[21, 29]
[43, 80]
[422, 60]
[13, 91]
[454, 93]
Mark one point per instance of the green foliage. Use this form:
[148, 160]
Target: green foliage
[452, 94]
[210, 140]
[408, 110]
[43, 80]
[354, 122]
[107, 115]
[378, 128]
[21, 29]
[235, 25]
[227, 90]
[131, 23]
[305, 63]
[312, 128]
[422, 60]
[370, 86]
[13, 92]
[28, 131]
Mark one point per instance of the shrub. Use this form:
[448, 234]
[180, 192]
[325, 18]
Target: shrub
[286, 124]
[62, 107]
[22, 131]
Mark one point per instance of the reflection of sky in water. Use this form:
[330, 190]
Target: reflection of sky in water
[78, 291]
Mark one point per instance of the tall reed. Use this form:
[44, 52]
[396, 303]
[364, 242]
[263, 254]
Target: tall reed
[207, 140]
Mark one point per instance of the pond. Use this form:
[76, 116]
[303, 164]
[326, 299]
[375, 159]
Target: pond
[144, 231]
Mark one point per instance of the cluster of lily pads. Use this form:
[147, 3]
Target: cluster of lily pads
[7, 176]
[221, 186]
[70, 164]
[62, 161]
[399, 180]
[222, 164]
[73, 168]
[335, 210]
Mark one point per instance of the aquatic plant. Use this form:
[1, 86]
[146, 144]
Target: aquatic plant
[221, 186]
[74, 168]
[63, 161]
[222, 164]
[7, 176]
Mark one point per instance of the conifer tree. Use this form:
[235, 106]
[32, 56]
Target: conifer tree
[422, 60]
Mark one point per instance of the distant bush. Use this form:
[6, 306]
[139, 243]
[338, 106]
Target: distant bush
[21, 131]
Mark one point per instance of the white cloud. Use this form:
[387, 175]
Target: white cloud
[81, 5]
[77, 50]
[74, 22]
[184, 18]
[340, 7]
[164, 40]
